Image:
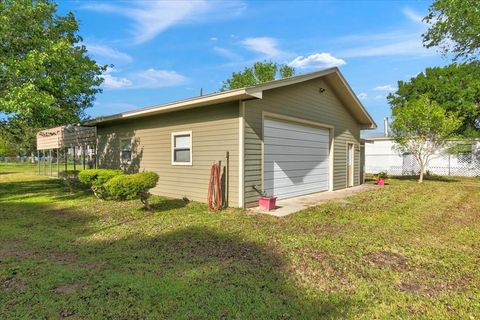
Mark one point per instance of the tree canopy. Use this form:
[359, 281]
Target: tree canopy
[260, 72]
[454, 27]
[455, 88]
[421, 127]
[46, 76]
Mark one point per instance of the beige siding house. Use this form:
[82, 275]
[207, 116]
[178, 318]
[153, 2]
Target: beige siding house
[287, 137]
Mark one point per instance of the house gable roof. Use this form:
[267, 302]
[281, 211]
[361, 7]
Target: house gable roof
[332, 75]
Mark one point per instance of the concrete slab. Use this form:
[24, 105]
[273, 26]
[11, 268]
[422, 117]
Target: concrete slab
[291, 205]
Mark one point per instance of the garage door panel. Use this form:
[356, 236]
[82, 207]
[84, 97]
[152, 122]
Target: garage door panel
[292, 181]
[290, 126]
[295, 159]
[293, 165]
[292, 191]
[280, 174]
[298, 149]
[285, 134]
[291, 142]
[314, 158]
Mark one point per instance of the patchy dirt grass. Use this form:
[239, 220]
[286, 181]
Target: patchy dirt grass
[408, 250]
[387, 259]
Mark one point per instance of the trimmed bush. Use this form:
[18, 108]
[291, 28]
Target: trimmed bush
[132, 186]
[96, 178]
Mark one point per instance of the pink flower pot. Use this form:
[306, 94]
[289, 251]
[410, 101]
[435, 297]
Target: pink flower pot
[381, 182]
[267, 203]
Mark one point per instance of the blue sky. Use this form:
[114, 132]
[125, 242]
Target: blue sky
[165, 51]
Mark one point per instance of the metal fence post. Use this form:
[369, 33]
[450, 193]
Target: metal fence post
[83, 156]
[449, 166]
[96, 156]
[65, 155]
[74, 158]
[50, 161]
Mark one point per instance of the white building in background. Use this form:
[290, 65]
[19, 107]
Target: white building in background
[380, 155]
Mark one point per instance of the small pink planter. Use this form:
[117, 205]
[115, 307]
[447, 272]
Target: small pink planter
[267, 203]
[380, 182]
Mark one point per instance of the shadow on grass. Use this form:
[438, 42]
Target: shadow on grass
[199, 272]
[54, 188]
[195, 271]
[427, 178]
[163, 205]
[168, 204]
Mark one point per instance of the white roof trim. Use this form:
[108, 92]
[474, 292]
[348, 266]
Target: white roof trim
[253, 92]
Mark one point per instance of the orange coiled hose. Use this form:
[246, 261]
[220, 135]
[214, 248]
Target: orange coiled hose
[214, 189]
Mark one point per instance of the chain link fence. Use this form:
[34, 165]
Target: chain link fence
[19, 159]
[462, 164]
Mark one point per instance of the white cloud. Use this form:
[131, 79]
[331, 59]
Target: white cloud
[387, 88]
[380, 97]
[108, 52]
[393, 43]
[401, 42]
[412, 15]
[363, 96]
[214, 38]
[146, 79]
[411, 46]
[227, 53]
[317, 60]
[264, 45]
[153, 78]
[113, 82]
[153, 17]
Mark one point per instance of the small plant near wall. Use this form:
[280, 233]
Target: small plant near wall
[265, 202]
[380, 178]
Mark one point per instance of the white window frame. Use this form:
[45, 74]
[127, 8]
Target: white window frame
[121, 150]
[182, 133]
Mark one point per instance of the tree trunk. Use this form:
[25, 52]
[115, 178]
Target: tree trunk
[146, 204]
[422, 170]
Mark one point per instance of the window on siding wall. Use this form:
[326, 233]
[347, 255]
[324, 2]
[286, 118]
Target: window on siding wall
[182, 148]
[126, 150]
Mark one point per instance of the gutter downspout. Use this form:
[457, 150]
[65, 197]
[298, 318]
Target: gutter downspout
[241, 156]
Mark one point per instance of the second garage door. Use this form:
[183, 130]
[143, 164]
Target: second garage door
[295, 160]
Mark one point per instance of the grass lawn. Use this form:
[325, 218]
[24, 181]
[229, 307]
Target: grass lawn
[407, 250]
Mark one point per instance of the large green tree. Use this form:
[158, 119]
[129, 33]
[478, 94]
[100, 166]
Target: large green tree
[422, 127]
[7, 149]
[260, 72]
[456, 88]
[454, 27]
[46, 76]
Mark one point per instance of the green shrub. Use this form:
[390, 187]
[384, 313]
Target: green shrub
[380, 175]
[132, 186]
[96, 178]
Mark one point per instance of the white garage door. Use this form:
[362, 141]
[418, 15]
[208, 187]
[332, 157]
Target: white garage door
[295, 159]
